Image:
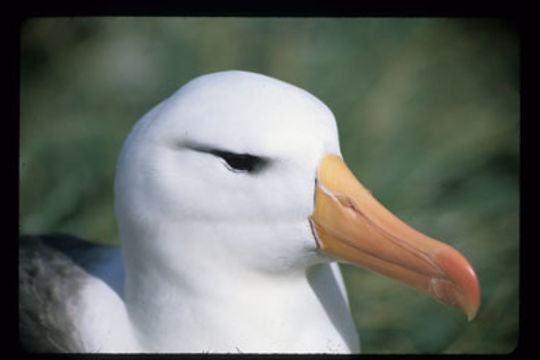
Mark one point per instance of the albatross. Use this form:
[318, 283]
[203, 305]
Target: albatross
[234, 205]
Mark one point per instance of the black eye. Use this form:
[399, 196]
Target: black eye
[241, 162]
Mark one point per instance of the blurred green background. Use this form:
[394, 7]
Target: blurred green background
[428, 114]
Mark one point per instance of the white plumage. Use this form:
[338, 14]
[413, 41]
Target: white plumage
[219, 260]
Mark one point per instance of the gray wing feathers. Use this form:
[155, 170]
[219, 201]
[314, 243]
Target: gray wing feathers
[47, 315]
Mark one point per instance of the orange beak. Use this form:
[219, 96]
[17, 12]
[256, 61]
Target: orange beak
[351, 225]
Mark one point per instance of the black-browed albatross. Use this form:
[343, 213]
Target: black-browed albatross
[233, 203]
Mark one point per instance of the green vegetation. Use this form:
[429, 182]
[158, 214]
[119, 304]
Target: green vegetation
[428, 113]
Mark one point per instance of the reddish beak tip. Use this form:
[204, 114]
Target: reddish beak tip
[461, 289]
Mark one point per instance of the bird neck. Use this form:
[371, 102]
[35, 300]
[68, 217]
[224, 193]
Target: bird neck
[208, 306]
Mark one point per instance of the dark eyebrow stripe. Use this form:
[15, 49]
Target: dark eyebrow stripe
[217, 151]
[200, 147]
[236, 161]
